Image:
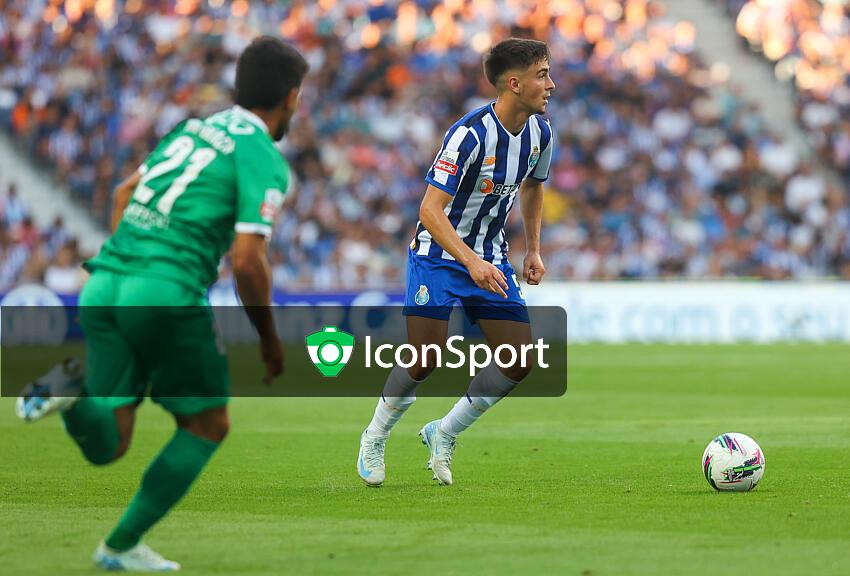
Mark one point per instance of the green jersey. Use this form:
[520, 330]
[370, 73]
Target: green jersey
[206, 181]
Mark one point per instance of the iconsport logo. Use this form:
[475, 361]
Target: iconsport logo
[479, 355]
[330, 350]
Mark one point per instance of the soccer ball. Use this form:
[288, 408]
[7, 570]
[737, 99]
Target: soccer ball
[733, 463]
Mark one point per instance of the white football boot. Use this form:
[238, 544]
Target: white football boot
[442, 447]
[370, 460]
[56, 391]
[139, 558]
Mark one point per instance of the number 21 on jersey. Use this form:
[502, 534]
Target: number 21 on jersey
[180, 153]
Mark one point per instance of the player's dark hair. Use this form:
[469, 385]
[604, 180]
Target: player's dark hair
[267, 70]
[512, 54]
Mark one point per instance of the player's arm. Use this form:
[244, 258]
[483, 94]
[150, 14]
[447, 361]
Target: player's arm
[121, 197]
[531, 207]
[433, 216]
[253, 281]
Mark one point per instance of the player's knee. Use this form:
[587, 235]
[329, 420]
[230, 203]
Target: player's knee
[516, 372]
[217, 428]
[212, 425]
[221, 430]
[421, 371]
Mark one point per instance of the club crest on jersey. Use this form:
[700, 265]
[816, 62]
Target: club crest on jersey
[422, 296]
[534, 158]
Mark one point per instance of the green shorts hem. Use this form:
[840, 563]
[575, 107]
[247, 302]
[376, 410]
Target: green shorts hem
[190, 406]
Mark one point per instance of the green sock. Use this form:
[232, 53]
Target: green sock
[90, 422]
[165, 481]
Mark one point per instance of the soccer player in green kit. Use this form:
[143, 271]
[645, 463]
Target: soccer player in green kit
[210, 184]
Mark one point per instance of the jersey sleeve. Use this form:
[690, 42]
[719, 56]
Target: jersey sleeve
[262, 180]
[547, 142]
[459, 151]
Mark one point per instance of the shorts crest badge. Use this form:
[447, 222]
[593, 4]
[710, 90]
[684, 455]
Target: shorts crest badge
[422, 296]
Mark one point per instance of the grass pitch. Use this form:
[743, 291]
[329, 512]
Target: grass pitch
[605, 480]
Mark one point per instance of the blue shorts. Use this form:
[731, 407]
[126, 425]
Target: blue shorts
[435, 286]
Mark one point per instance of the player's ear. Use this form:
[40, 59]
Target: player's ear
[291, 100]
[513, 84]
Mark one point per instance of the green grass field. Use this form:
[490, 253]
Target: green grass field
[605, 480]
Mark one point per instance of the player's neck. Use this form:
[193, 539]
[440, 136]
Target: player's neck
[266, 116]
[512, 118]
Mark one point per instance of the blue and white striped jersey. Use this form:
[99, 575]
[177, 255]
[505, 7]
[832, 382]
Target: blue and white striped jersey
[482, 165]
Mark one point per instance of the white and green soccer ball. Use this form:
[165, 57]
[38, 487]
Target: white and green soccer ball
[733, 462]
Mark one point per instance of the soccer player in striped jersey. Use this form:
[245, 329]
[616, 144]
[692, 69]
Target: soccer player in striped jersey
[459, 255]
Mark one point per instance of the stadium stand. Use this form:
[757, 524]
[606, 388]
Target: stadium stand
[49, 256]
[810, 43]
[654, 177]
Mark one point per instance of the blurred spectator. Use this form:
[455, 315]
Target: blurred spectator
[64, 275]
[12, 208]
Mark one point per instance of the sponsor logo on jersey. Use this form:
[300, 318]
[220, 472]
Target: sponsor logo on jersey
[422, 296]
[534, 158]
[450, 156]
[444, 166]
[271, 204]
[487, 186]
[489, 161]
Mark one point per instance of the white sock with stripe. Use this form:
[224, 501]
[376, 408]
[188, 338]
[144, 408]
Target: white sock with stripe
[399, 394]
[470, 408]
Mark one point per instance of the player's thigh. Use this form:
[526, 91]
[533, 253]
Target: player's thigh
[505, 332]
[510, 340]
[171, 329]
[423, 331]
[189, 372]
[112, 369]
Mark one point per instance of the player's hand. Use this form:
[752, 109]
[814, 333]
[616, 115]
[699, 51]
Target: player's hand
[488, 277]
[533, 269]
[272, 354]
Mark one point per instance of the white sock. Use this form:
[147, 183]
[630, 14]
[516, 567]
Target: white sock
[399, 393]
[470, 408]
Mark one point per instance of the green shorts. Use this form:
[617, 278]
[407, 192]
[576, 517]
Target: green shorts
[149, 331]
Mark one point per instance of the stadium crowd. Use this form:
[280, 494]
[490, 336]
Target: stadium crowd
[28, 253]
[653, 177]
[810, 42]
